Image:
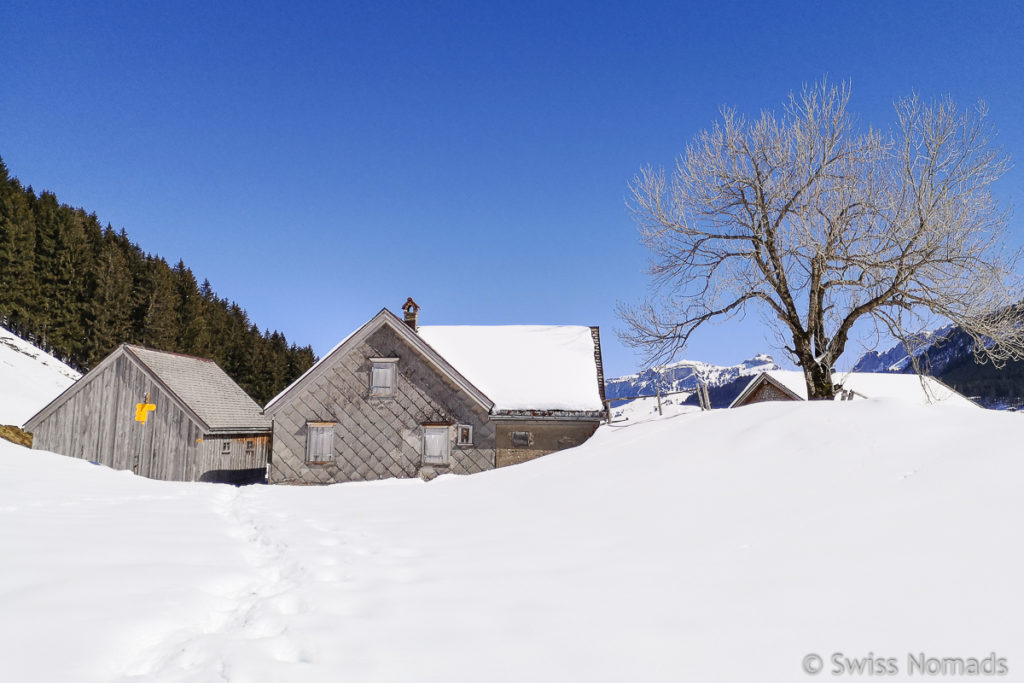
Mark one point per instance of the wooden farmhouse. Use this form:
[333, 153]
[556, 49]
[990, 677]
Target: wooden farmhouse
[397, 400]
[785, 385]
[161, 415]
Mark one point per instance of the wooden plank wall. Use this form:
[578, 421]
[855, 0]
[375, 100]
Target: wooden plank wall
[375, 438]
[212, 464]
[98, 424]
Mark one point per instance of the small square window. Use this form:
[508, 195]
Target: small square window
[225, 447]
[464, 435]
[435, 445]
[520, 439]
[383, 375]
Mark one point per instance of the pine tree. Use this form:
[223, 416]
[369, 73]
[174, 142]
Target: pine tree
[17, 255]
[79, 290]
[193, 336]
[108, 313]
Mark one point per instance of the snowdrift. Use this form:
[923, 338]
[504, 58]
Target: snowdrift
[722, 546]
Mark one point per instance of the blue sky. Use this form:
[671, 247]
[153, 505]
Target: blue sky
[320, 161]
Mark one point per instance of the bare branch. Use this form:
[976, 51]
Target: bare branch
[823, 226]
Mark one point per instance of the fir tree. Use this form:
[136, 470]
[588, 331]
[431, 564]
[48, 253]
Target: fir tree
[78, 290]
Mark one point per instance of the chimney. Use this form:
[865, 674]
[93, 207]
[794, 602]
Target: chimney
[411, 313]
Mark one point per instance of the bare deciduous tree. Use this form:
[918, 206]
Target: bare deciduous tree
[824, 226]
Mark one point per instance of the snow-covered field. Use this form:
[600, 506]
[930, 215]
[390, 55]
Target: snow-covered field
[29, 379]
[643, 409]
[710, 547]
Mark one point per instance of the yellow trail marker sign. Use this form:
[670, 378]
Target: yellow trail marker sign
[142, 411]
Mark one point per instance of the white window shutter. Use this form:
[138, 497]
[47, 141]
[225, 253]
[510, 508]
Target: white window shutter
[382, 378]
[435, 445]
[319, 443]
[325, 443]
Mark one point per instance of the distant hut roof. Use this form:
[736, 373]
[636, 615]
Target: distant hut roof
[907, 388]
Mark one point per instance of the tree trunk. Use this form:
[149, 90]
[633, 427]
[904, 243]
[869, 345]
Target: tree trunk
[819, 381]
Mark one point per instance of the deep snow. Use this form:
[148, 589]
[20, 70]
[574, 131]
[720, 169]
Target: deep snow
[719, 546]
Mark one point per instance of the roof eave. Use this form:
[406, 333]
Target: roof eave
[240, 430]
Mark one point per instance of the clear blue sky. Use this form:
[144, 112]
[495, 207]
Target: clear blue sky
[320, 161]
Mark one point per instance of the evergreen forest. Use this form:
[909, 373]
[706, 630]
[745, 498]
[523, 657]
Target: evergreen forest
[78, 289]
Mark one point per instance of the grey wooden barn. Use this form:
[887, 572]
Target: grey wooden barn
[397, 400]
[161, 415]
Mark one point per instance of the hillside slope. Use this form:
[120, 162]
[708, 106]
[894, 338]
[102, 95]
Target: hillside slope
[721, 546]
[29, 379]
[951, 358]
[82, 289]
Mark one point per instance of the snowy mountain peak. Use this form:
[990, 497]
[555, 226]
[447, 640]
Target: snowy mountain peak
[685, 375]
[760, 360]
[897, 359]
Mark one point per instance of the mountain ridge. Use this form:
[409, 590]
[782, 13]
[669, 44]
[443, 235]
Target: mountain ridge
[684, 376]
[948, 354]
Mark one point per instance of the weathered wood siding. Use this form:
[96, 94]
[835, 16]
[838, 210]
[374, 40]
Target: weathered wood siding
[98, 423]
[240, 466]
[545, 436]
[375, 438]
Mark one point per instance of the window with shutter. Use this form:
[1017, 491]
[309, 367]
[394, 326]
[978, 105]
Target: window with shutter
[435, 445]
[520, 439]
[383, 374]
[320, 442]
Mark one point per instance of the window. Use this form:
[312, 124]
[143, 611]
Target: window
[225, 447]
[250, 447]
[435, 445]
[383, 373]
[520, 439]
[464, 435]
[320, 442]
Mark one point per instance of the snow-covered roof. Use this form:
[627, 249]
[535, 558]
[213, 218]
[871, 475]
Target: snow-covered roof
[911, 388]
[790, 379]
[921, 390]
[523, 367]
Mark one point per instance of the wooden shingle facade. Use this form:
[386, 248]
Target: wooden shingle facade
[762, 388]
[374, 437]
[200, 425]
[385, 403]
